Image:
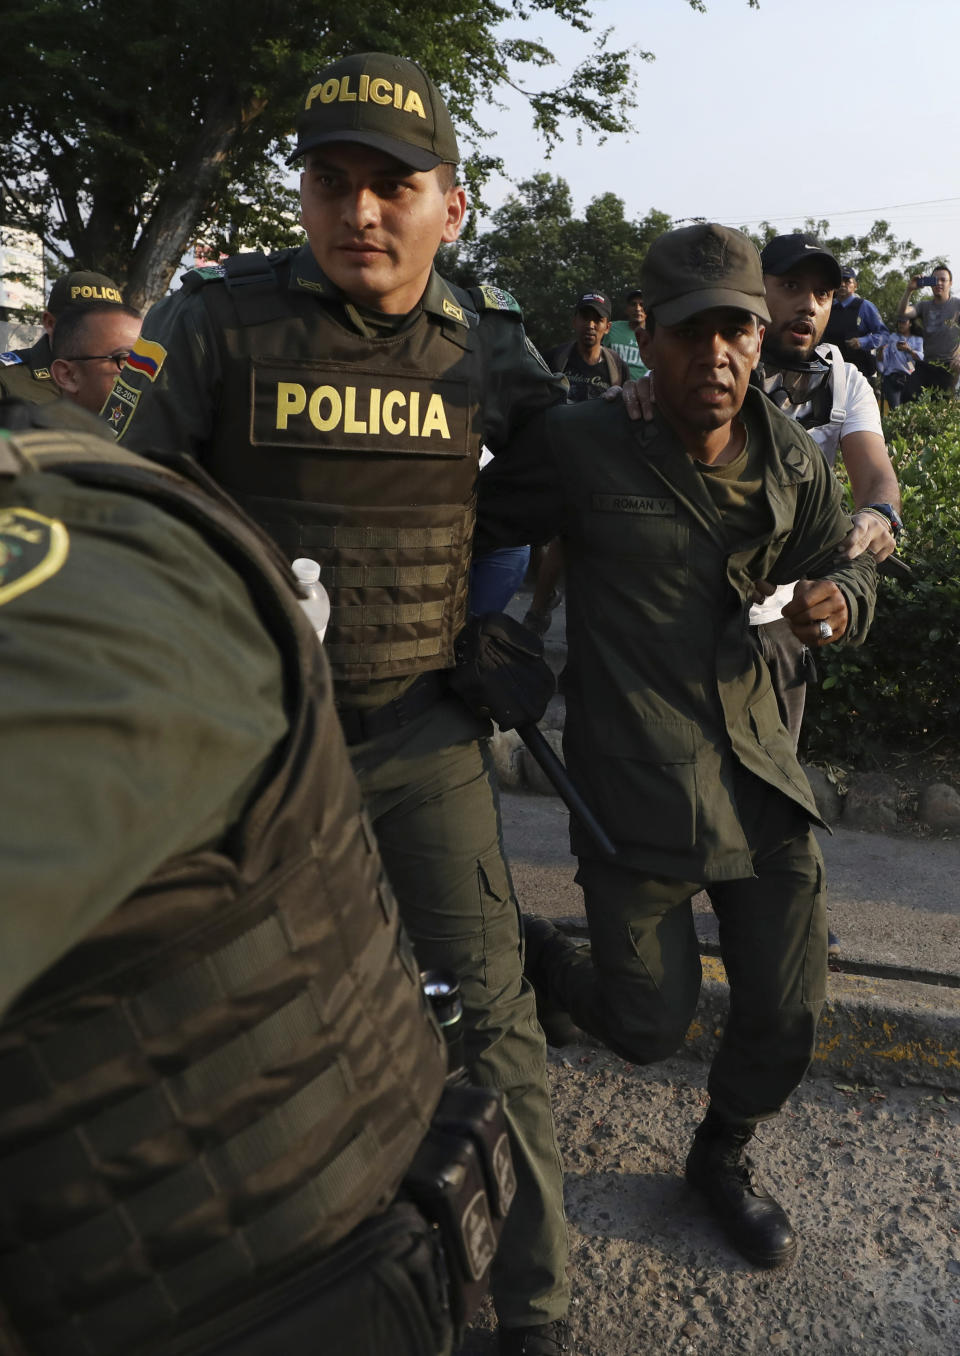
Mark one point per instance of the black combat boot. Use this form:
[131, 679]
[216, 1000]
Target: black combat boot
[550, 1339]
[718, 1167]
[541, 939]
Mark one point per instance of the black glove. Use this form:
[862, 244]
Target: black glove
[501, 671]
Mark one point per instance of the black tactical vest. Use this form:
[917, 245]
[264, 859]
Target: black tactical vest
[235, 1068]
[843, 324]
[363, 458]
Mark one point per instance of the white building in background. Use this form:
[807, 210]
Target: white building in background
[21, 288]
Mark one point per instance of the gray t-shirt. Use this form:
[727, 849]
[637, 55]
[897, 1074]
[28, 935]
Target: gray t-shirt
[941, 331]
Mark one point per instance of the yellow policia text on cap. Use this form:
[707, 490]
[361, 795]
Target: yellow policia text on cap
[386, 102]
[88, 293]
[379, 90]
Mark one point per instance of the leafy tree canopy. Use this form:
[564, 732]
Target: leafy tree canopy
[126, 136]
[537, 249]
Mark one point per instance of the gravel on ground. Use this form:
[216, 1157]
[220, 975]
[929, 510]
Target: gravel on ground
[869, 1175]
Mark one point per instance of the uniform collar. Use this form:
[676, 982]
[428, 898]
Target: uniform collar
[306, 275]
[438, 298]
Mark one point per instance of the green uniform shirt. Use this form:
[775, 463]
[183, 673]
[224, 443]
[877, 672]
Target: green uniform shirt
[665, 688]
[25, 373]
[140, 699]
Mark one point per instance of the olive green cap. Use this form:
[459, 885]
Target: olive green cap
[382, 101]
[699, 267]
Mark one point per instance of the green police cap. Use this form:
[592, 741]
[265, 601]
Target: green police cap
[698, 267]
[382, 101]
[81, 289]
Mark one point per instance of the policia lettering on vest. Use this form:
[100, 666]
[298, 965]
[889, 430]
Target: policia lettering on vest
[341, 392]
[224, 1127]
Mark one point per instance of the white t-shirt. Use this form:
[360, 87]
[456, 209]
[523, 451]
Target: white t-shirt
[856, 412]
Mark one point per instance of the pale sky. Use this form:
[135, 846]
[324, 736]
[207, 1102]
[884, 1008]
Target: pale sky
[845, 109]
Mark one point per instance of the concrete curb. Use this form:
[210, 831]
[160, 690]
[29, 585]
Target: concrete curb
[872, 1031]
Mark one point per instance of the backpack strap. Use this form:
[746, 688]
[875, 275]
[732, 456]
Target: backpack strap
[613, 369]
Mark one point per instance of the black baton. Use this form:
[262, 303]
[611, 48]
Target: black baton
[554, 769]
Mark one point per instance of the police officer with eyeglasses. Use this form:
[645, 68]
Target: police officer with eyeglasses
[90, 346]
[26, 372]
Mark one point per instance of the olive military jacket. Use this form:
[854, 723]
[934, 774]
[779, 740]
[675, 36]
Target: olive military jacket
[25, 373]
[665, 688]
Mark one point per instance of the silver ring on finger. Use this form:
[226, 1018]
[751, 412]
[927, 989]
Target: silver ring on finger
[826, 630]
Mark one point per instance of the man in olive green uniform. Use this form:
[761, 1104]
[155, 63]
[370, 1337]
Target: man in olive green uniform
[216, 1056]
[673, 731]
[26, 372]
[341, 393]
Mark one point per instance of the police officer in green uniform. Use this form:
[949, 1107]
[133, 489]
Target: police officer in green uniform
[25, 372]
[341, 393]
[216, 1057]
[673, 730]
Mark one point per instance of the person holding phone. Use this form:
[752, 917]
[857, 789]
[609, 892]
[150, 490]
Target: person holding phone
[940, 317]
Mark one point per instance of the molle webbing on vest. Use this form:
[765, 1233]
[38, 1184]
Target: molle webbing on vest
[362, 454]
[235, 1068]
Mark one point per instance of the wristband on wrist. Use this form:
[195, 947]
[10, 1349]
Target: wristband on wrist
[894, 521]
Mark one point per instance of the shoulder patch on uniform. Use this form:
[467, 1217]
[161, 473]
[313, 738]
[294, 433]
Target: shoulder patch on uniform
[147, 357]
[9, 359]
[198, 276]
[32, 548]
[119, 407]
[535, 353]
[495, 299]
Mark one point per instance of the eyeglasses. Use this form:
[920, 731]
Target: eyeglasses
[118, 359]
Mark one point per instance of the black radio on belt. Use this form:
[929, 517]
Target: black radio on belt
[462, 1179]
[462, 1176]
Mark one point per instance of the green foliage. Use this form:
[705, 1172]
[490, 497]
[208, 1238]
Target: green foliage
[902, 684]
[122, 141]
[538, 250]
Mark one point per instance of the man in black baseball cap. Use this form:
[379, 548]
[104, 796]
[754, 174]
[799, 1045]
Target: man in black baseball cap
[588, 366]
[817, 384]
[672, 731]
[342, 392]
[26, 372]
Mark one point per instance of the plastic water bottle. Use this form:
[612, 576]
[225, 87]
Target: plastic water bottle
[317, 602]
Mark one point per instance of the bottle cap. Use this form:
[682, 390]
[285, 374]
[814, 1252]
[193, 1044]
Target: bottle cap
[306, 570]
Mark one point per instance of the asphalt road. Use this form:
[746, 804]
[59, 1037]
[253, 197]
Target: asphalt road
[894, 900]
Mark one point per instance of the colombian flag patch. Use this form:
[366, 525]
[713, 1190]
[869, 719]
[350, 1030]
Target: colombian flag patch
[146, 357]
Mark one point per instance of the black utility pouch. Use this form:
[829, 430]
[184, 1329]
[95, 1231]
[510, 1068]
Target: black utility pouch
[478, 1114]
[447, 1182]
[462, 1178]
[384, 1288]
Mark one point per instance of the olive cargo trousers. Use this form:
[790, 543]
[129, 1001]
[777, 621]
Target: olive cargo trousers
[436, 816]
[636, 989]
